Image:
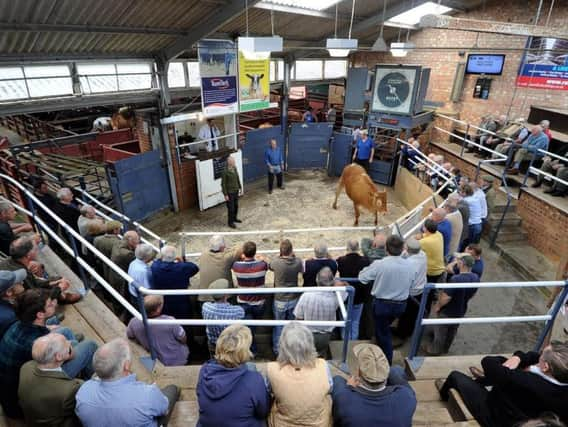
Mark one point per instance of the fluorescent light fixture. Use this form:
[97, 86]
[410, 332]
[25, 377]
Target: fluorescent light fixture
[340, 48]
[401, 49]
[260, 47]
[412, 16]
[318, 5]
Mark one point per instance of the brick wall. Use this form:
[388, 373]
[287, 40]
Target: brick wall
[184, 175]
[143, 122]
[547, 227]
[504, 94]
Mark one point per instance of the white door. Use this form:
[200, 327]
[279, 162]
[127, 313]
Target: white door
[209, 179]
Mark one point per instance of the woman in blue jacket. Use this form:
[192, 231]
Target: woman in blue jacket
[229, 393]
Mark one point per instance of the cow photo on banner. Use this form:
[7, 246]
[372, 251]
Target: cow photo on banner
[254, 82]
[218, 71]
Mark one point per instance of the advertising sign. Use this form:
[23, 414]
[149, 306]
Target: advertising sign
[218, 71]
[545, 66]
[254, 83]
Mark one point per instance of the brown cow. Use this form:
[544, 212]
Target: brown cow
[362, 191]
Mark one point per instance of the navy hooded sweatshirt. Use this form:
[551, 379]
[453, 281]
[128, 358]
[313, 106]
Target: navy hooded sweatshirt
[231, 397]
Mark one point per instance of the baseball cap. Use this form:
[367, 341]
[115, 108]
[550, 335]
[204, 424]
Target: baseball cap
[113, 225]
[371, 363]
[219, 284]
[9, 278]
[467, 259]
[488, 178]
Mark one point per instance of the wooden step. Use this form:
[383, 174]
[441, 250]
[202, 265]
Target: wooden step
[431, 368]
[185, 414]
[431, 414]
[511, 219]
[425, 390]
[508, 236]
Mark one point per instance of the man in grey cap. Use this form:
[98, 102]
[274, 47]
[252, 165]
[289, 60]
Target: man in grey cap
[375, 394]
[11, 285]
[219, 309]
[419, 264]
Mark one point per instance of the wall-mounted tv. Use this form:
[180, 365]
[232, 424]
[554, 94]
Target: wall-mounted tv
[485, 64]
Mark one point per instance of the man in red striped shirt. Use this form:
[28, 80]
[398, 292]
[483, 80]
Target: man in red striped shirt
[250, 272]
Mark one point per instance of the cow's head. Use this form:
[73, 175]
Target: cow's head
[380, 201]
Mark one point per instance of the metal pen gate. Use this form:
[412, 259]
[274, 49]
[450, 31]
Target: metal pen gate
[256, 142]
[308, 146]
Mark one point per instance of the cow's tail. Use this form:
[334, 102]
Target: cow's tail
[340, 186]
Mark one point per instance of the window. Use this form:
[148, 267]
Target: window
[309, 70]
[334, 69]
[97, 78]
[35, 82]
[280, 73]
[194, 77]
[276, 70]
[273, 71]
[176, 77]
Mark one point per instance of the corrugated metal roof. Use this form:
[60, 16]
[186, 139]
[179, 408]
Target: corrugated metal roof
[127, 21]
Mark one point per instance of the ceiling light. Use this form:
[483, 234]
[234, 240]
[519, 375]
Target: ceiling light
[412, 16]
[260, 47]
[301, 4]
[401, 49]
[340, 48]
[379, 45]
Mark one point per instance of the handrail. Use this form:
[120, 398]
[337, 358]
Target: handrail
[556, 156]
[474, 126]
[69, 230]
[120, 215]
[548, 318]
[553, 177]
[470, 142]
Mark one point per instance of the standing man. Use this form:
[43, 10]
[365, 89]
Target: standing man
[392, 278]
[309, 116]
[210, 133]
[364, 150]
[275, 162]
[231, 186]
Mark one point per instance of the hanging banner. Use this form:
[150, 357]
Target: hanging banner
[254, 83]
[218, 72]
[545, 67]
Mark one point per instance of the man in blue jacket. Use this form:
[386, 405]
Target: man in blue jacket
[275, 163]
[536, 141]
[375, 395]
[364, 150]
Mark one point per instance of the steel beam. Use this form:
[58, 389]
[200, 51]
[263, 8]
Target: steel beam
[75, 28]
[479, 26]
[208, 26]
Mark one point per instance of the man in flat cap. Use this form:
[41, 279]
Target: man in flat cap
[375, 394]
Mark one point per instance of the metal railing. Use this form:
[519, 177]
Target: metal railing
[497, 157]
[430, 287]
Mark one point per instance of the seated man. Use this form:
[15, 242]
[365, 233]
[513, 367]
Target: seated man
[134, 403]
[492, 141]
[313, 265]
[410, 154]
[88, 217]
[556, 167]
[529, 149]
[452, 303]
[140, 271]
[169, 341]
[219, 309]
[11, 285]
[509, 147]
[34, 307]
[106, 242]
[375, 248]
[374, 395]
[8, 228]
[23, 252]
[171, 272]
[320, 306]
[66, 208]
[523, 387]
[47, 394]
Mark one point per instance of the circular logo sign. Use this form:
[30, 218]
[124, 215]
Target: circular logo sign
[393, 89]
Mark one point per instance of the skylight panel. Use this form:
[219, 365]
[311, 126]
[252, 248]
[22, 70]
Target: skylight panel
[412, 16]
[317, 5]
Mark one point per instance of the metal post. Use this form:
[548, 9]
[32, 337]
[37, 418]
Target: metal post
[434, 201]
[548, 325]
[76, 254]
[33, 211]
[347, 334]
[533, 158]
[148, 362]
[477, 169]
[464, 140]
[84, 188]
[418, 325]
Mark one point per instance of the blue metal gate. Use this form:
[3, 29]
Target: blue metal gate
[341, 152]
[308, 146]
[140, 185]
[253, 151]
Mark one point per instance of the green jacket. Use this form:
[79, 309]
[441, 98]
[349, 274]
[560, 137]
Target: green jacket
[490, 196]
[230, 182]
[47, 397]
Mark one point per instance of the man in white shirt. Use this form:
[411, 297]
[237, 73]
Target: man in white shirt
[210, 133]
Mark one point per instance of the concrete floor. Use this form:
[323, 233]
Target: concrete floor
[306, 202]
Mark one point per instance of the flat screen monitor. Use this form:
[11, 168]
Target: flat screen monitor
[485, 64]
